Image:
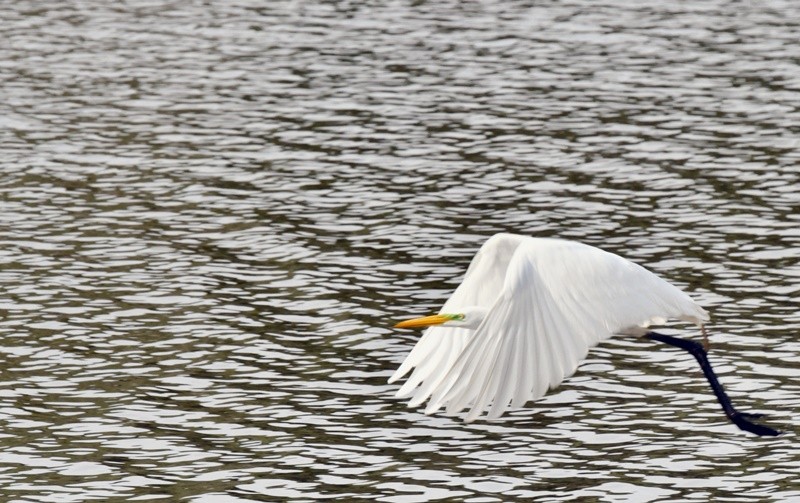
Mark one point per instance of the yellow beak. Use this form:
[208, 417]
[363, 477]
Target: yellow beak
[436, 319]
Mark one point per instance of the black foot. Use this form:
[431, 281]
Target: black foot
[740, 419]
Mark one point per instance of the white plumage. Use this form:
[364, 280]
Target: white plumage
[532, 309]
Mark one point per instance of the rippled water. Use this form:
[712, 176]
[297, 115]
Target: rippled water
[212, 212]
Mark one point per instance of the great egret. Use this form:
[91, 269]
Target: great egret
[527, 313]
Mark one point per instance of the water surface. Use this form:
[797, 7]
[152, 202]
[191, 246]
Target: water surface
[213, 212]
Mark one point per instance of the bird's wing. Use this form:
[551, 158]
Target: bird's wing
[558, 299]
[438, 348]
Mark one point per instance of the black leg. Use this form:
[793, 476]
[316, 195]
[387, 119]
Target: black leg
[740, 419]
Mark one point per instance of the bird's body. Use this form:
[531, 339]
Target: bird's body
[524, 317]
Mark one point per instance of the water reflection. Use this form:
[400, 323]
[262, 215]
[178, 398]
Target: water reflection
[213, 212]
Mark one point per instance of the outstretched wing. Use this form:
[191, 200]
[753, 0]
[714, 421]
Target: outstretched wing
[438, 348]
[558, 299]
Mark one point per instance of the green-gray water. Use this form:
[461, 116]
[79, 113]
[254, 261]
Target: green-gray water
[213, 212]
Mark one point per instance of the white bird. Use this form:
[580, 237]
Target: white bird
[526, 315]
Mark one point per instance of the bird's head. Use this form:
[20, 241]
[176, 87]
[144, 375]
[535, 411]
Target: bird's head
[468, 317]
